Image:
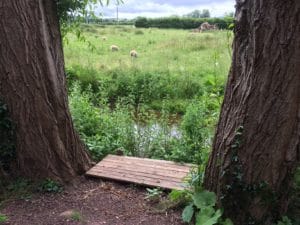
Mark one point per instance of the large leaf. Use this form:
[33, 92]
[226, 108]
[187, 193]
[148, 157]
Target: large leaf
[188, 213]
[204, 199]
[207, 216]
[285, 221]
[227, 222]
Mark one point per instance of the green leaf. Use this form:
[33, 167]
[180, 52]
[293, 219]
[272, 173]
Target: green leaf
[204, 199]
[3, 218]
[188, 213]
[227, 222]
[285, 221]
[176, 194]
[208, 216]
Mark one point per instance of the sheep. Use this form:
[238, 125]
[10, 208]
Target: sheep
[104, 38]
[133, 53]
[114, 48]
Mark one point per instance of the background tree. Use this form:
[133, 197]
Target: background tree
[256, 146]
[199, 14]
[32, 84]
[229, 14]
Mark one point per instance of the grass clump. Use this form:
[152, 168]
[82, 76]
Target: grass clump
[76, 216]
[3, 218]
[49, 186]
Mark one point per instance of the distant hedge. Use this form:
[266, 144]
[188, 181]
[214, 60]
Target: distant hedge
[182, 23]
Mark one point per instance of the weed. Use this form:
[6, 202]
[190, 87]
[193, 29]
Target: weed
[202, 209]
[76, 216]
[3, 218]
[285, 221]
[50, 186]
[293, 211]
[153, 195]
[180, 198]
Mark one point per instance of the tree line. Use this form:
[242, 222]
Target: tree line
[182, 22]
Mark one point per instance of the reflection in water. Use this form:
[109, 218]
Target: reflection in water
[156, 130]
[154, 137]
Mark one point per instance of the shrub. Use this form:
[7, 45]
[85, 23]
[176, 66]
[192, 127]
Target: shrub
[141, 22]
[101, 129]
[139, 32]
[88, 77]
[50, 186]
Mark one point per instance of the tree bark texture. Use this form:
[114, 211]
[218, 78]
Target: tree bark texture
[256, 145]
[32, 84]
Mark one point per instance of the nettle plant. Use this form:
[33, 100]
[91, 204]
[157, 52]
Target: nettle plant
[202, 210]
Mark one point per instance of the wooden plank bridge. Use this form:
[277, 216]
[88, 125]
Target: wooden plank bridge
[143, 171]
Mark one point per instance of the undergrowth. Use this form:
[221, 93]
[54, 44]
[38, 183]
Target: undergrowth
[142, 132]
[7, 140]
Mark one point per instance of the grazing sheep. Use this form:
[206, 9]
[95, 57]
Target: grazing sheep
[104, 38]
[133, 53]
[114, 48]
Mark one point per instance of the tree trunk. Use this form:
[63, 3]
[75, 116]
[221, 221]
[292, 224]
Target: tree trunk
[32, 84]
[256, 146]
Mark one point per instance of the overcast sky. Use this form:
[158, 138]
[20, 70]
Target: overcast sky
[160, 8]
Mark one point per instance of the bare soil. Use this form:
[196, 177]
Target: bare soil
[93, 202]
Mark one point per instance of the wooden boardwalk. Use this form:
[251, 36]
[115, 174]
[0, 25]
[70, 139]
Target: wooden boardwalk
[149, 172]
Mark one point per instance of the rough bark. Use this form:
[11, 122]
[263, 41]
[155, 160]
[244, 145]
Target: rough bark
[32, 84]
[256, 146]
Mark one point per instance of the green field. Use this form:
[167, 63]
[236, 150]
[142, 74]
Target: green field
[174, 51]
[130, 103]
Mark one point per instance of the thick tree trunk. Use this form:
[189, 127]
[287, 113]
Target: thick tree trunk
[256, 146]
[32, 84]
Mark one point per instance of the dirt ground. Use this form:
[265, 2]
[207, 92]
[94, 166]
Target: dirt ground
[93, 202]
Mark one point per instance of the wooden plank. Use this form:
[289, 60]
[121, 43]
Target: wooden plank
[131, 158]
[152, 163]
[143, 181]
[137, 174]
[163, 172]
[150, 172]
[155, 180]
[149, 161]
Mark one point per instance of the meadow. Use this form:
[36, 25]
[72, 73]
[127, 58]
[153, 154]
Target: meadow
[163, 104]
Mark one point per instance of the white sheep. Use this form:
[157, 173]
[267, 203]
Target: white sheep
[133, 53]
[114, 48]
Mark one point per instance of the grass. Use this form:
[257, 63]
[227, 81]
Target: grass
[175, 51]
[177, 65]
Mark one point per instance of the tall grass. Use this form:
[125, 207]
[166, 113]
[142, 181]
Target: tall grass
[144, 134]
